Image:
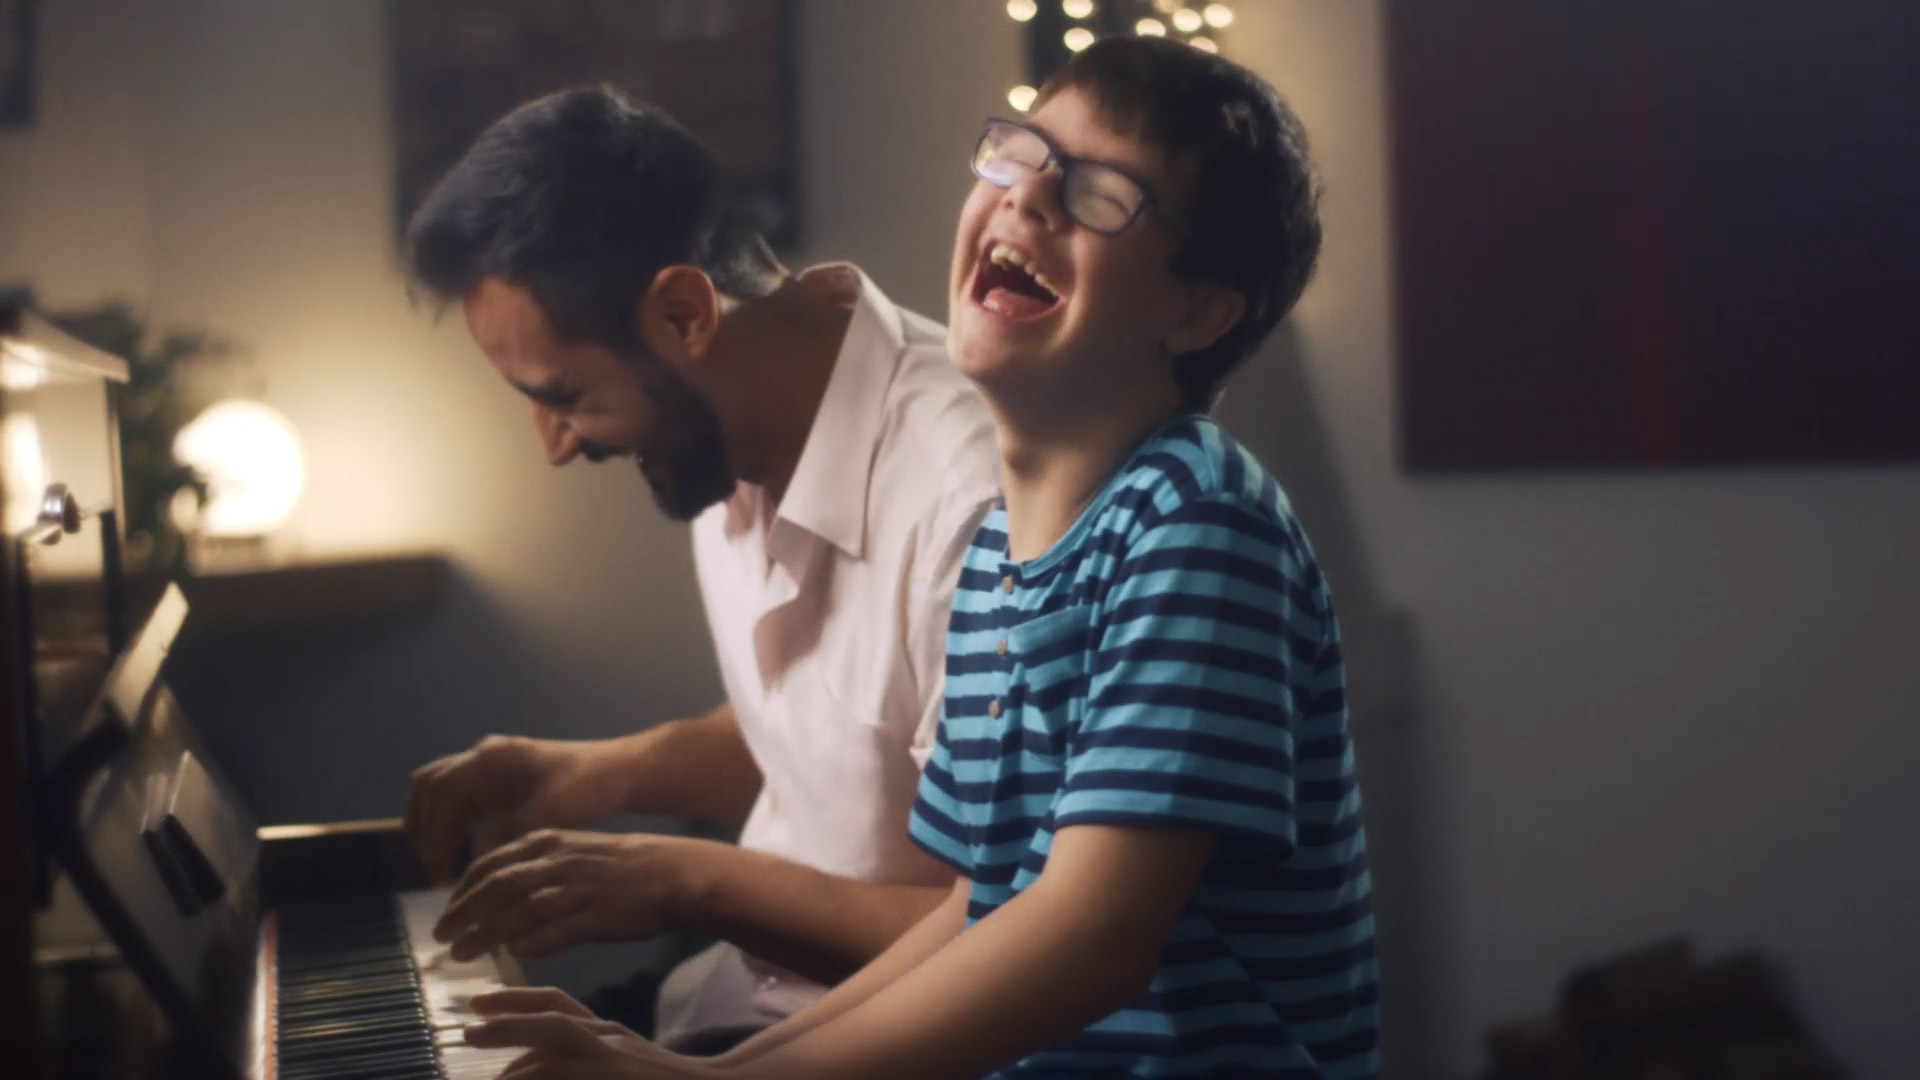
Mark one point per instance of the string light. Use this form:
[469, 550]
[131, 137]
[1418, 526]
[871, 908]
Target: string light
[1187, 20]
[1203, 44]
[1022, 10]
[1168, 7]
[1077, 9]
[1021, 97]
[1218, 16]
[1150, 28]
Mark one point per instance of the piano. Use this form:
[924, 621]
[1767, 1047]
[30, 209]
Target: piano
[149, 927]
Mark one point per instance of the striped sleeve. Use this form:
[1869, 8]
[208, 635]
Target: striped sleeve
[934, 825]
[1205, 637]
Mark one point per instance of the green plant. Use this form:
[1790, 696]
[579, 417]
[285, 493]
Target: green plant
[161, 396]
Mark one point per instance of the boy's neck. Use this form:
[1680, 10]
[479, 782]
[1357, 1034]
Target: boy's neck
[1049, 472]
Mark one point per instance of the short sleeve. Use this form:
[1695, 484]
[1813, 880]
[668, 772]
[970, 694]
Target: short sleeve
[1206, 637]
[935, 824]
[936, 574]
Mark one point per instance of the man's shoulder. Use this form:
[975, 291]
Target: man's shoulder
[937, 446]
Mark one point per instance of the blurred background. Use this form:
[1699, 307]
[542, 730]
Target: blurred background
[1611, 688]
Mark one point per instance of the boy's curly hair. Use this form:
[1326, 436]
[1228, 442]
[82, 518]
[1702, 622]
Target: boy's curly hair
[1252, 217]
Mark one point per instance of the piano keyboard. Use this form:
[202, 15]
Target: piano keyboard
[363, 991]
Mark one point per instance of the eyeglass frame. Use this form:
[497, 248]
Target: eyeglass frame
[1149, 201]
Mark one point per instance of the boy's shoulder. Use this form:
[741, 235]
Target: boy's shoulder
[1191, 462]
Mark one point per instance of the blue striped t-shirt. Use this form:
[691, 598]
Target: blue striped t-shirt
[1172, 661]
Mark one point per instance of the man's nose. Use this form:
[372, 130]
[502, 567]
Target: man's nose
[559, 441]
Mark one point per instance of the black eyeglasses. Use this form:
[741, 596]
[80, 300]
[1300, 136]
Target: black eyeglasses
[1094, 193]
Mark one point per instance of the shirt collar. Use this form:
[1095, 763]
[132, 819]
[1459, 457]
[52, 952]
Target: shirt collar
[828, 493]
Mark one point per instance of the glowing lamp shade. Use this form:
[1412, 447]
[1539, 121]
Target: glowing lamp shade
[252, 462]
[25, 470]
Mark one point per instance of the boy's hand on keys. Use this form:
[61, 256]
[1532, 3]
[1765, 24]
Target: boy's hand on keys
[564, 1041]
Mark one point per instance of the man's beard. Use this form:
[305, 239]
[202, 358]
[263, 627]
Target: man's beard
[688, 468]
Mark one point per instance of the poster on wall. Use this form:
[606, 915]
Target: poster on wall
[723, 68]
[1646, 235]
[16, 63]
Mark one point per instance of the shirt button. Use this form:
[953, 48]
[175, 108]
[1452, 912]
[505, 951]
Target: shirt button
[993, 708]
[1006, 584]
[1000, 647]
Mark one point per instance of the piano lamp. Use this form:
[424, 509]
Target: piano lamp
[250, 458]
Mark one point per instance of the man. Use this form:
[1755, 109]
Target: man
[835, 467]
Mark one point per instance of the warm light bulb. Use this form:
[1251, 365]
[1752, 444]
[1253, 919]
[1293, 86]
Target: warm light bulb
[1021, 97]
[1186, 20]
[1203, 44]
[1167, 7]
[1022, 10]
[23, 468]
[1077, 9]
[252, 463]
[22, 366]
[1079, 38]
[1150, 28]
[1218, 16]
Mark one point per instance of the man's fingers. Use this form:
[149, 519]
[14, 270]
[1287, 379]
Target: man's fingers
[530, 999]
[525, 1067]
[441, 818]
[550, 936]
[507, 905]
[531, 846]
[478, 895]
[503, 925]
[421, 796]
[548, 1032]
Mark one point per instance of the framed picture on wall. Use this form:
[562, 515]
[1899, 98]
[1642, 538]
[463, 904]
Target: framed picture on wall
[1642, 234]
[723, 68]
[16, 62]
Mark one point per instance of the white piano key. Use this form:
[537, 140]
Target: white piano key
[449, 985]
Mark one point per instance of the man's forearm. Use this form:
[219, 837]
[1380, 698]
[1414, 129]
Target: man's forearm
[820, 925]
[694, 768]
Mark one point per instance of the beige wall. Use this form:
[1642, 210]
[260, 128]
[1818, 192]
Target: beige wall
[1646, 704]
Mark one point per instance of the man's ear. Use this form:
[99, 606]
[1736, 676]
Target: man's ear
[678, 315]
[1212, 310]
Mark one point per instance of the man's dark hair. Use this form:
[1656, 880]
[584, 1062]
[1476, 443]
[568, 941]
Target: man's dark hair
[1252, 215]
[582, 197]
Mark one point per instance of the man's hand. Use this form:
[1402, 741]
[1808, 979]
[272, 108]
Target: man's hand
[553, 889]
[563, 1039]
[498, 790]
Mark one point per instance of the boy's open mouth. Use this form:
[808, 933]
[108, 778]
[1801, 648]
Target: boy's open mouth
[1009, 285]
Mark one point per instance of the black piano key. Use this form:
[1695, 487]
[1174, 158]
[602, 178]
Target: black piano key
[358, 1005]
[351, 1041]
[350, 1003]
[330, 989]
[321, 1033]
[415, 1063]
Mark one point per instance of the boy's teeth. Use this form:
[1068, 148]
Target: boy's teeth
[1002, 255]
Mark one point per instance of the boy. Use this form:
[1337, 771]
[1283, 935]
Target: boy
[1143, 774]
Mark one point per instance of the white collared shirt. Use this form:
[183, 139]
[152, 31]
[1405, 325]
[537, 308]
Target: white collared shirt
[829, 618]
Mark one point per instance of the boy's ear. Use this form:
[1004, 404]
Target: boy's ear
[678, 315]
[1212, 310]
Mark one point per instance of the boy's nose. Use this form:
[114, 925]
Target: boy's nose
[1037, 195]
[559, 441]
